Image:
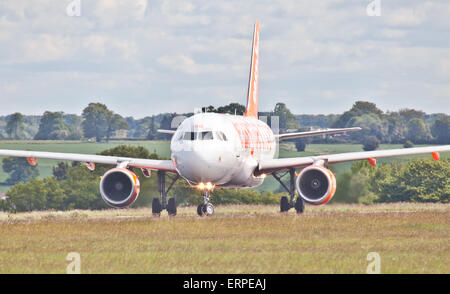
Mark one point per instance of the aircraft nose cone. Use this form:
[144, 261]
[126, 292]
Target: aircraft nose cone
[198, 166]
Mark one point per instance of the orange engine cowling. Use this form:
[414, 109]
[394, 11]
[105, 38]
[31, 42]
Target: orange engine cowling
[316, 184]
[119, 187]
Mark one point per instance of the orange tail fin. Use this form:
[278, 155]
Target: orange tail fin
[252, 94]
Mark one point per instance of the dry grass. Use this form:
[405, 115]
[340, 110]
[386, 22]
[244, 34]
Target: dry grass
[410, 238]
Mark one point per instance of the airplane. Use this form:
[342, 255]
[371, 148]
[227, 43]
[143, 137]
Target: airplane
[212, 150]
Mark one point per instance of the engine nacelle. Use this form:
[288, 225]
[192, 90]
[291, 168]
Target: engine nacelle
[316, 184]
[119, 187]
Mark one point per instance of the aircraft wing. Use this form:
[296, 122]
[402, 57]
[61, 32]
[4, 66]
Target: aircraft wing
[314, 133]
[166, 165]
[272, 165]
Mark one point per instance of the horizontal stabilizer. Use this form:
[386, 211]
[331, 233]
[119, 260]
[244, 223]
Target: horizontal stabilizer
[171, 132]
[314, 133]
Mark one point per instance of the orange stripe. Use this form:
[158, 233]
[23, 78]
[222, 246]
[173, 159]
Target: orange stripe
[252, 95]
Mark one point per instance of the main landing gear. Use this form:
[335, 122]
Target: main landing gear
[206, 208]
[159, 204]
[288, 203]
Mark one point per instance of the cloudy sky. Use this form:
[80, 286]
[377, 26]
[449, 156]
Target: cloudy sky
[142, 57]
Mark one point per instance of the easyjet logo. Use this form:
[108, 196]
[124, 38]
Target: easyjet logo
[253, 136]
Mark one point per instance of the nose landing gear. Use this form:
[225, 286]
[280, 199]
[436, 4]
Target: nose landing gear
[206, 208]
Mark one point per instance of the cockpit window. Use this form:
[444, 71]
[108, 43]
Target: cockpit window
[190, 136]
[206, 135]
[221, 136]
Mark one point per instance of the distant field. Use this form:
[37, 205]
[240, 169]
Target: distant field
[410, 238]
[162, 148]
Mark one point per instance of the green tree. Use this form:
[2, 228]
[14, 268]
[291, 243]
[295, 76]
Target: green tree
[417, 181]
[19, 169]
[152, 129]
[408, 114]
[358, 109]
[15, 125]
[38, 194]
[82, 189]
[209, 109]
[371, 143]
[100, 122]
[408, 144]
[232, 108]
[60, 171]
[441, 130]
[354, 186]
[52, 127]
[371, 125]
[286, 118]
[300, 143]
[166, 124]
[418, 131]
[115, 122]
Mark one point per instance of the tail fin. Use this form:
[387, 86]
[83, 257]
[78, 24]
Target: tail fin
[252, 94]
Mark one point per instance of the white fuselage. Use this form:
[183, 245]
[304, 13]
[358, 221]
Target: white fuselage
[222, 149]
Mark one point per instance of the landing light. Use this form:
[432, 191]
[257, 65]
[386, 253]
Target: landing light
[207, 186]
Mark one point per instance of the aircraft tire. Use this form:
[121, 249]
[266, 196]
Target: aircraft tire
[284, 204]
[299, 205]
[200, 210]
[156, 207]
[172, 207]
[208, 209]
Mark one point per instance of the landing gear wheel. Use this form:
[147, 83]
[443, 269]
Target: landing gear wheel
[299, 205]
[156, 207]
[284, 204]
[199, 210]
[172, 207]
[208, 209]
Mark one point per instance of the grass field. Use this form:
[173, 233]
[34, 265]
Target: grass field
[410, 238]
[163, 150]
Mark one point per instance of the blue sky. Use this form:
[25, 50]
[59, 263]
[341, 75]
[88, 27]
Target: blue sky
[144, 57]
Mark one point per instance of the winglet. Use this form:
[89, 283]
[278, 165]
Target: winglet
[252, 92]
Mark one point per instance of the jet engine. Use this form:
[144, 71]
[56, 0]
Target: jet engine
[119, 187]
[316, 184]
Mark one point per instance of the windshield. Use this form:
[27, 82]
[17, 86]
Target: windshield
[203, 135]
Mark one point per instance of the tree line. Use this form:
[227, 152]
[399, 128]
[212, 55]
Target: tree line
[96, 121]
[406, 126]
[417, 180]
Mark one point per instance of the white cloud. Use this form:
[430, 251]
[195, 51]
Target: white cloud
[405, 16]
[110, 12]
[321, 52]
[187, 65]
